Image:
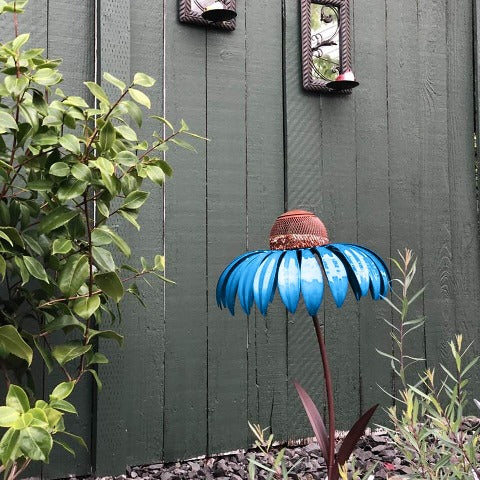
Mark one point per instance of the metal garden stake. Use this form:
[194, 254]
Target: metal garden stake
[299, 259]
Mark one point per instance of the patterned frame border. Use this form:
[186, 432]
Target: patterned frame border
[310, 83]
[186, 15]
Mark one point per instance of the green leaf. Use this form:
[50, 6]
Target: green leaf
[97, 358]
[59, 169]
[85, 307]
[71, 189]
[130, 218]
[134, 111]
[127, 133]
[159, 263]
[111, 285]
[20, 40]
[45, 353]
[167, 169]
[183, 144]
[3, 267]
[62, 391]
[61, 246]
[64, 406]
[14, 235]
[17, 399]
[96, 378]
[23, 270]
[78, 439]
[143, 80]
[56, 218]
[110, 334]
[73, 274]
[69, 351]
[164, 121]
[8, 416]
[7, 121]
[117, 240]
[41, 185]
[114, 81]
[39, 418]
[103, 259]
[35, 443]
[35, 268]
[111, 183]
[155, 174]
[135, 200]
[9, 445]
[98, 92]
[12, 342]
[139, 97]
[64, 321]
[105, 166]
[107, 136]
[70, 142]
[75, 102]
[65, 446]
[126, 158]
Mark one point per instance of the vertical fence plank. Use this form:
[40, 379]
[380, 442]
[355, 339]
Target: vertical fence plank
[373, 180]
[112, 418]
[71, 36]
[463, 201]
[226, 233]
[435, 206]
[406, 182]
[305, 189]
[268, 383]
[185, 428]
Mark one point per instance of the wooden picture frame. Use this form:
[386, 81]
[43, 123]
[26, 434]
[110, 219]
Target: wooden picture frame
[189, 12]
[336, 36]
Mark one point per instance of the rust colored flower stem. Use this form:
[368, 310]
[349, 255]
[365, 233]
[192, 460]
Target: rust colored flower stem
[329, 389]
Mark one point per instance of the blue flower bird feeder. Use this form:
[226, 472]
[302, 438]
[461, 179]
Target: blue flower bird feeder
[299, 263]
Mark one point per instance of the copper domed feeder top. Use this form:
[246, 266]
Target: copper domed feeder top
[297, 229]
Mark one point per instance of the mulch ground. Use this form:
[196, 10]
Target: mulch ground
[310, 465]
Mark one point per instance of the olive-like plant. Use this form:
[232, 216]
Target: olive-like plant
[67, 168]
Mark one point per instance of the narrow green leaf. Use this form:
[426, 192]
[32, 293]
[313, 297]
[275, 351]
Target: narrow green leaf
[167, 169]
[107, 136]
[183, 144]
[64, 406]
[3, 267]
[20, 40]
[96, 378]
[45, 353]
[135, 200]
[163, 120]
[117, 240]
[114, 81]
[9, 446]
[65, 446]
[130, 218]
[109, 334]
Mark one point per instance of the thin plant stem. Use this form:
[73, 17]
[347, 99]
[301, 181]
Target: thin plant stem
[329, 390]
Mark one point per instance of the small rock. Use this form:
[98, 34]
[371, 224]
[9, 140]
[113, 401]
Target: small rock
[133, 474]
[166, 476]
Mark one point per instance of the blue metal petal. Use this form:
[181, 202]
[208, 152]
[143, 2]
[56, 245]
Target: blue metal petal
[382, 269]
[311, 280]
[374, 274]
[245, 286]
[335, 273]
[265, 280]
[234, 279]
[289, 280]
[358, 266]
[222, 281]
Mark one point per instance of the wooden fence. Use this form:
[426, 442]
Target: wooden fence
[390, 166]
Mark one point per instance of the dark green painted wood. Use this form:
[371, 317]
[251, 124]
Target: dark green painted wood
[373, 188]
[404, 141]
[226, 234]
[304, 189]
[435, 211]
[464, 217]
[112, 407]
[268, 379]
[186, 369]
